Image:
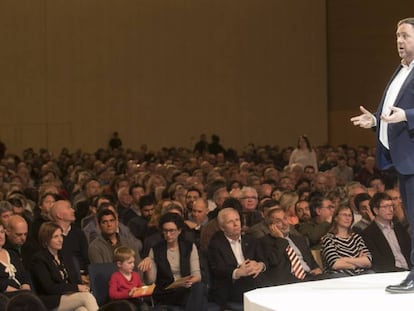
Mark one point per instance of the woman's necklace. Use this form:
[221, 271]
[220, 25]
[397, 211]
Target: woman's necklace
[173, 252]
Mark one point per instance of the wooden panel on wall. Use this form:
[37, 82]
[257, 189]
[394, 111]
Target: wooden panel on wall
[342, 127]
[162, 72]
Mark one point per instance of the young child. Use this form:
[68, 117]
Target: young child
[124, 281]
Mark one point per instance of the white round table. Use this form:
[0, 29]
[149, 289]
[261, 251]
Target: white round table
[364, 292]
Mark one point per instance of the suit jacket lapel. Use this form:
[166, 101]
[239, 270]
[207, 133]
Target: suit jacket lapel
[246, 248]
[229, 251]
[404, 86]
[378, 114]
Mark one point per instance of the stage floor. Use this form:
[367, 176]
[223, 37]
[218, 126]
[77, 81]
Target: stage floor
[365, 292]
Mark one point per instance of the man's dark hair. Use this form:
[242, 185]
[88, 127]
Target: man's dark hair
[361, 198]
[314, 203]
[194, 189]
[146, 200]
[104, 212]
[377, 199]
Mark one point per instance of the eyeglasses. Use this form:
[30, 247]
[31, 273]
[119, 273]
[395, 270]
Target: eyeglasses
[167, 231]
[387, 206]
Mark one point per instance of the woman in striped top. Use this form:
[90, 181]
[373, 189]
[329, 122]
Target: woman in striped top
[344, 253]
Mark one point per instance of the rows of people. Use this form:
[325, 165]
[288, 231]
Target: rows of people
[223, 225]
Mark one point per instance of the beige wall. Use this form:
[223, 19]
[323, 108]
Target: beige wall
[161, 72]
[362, 56]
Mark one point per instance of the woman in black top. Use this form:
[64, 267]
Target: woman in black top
[56, 280]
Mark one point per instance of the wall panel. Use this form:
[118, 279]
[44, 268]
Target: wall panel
[161, 72]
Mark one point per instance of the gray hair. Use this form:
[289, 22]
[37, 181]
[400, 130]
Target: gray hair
[408, 20]
[5, 206]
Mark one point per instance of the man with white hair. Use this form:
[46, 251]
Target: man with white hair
[235, 261]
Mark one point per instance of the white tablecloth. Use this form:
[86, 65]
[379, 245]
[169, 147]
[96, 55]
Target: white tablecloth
[365, 292]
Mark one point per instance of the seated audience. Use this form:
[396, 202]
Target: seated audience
[344, 253]
[12, 273]
[91, 187]
[287, 202]
[302, 211]
[361, 202]
[101, 249]
[138, 224]
[94, 203]
[387, 240]
[125, 281]
[16, 239]
[6, 211]
[175, 259]
[41, 214]
[20, 206]
[261, 229]
[236, 260]
[92, 229]
[198, 217]
[56, 280]
[249, 201]
[75, 244]
[399, 211]
[321, 210]
[212, 226]
[282, 266]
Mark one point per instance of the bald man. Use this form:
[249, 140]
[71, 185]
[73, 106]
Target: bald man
[16, 233]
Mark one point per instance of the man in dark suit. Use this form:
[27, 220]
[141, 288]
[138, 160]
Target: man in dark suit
[394, 124]
[387, 240]
[279, 266]
[235, 261]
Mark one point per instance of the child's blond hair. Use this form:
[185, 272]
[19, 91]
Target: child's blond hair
[123, 253]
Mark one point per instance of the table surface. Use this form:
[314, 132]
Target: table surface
[349, 293]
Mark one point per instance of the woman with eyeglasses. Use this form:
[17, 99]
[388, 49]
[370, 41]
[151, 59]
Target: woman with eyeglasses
[344, 252]
[56, 280]
[173, 264]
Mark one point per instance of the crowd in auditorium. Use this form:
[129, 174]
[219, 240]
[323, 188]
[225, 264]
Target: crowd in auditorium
[213, 221]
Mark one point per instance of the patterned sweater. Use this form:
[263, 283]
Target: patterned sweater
[334, 248]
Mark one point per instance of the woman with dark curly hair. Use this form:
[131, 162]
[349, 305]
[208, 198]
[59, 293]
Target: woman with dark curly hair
[173, 264]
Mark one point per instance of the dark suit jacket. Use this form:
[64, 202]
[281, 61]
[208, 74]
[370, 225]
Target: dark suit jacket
[401, 134]
[47, 279]
[382, 257]
[279, 266]
[222, 264]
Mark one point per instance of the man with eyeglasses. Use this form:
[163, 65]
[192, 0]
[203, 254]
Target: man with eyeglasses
[399, 211]
[387, 240]
[321, 209]
[249, 201]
